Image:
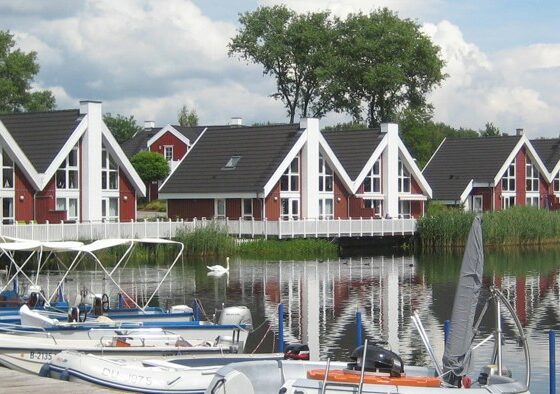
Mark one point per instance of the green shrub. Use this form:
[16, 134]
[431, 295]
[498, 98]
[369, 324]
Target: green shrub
[156, 205]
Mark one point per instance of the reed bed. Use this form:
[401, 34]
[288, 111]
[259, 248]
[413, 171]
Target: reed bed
[212, 240]
[510, 227]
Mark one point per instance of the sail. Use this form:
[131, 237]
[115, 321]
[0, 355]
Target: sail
[457, 354]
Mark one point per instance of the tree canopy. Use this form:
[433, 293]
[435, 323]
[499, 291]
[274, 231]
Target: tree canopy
[17, 71]
[150, 166]
[187, 117]
[123, 128]
[371, 66]
[490, 130]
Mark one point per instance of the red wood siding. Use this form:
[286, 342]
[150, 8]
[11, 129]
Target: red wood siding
[23, 209]
[127, 198]
[190, 209]
[45, 205]
[486, 193]
[416, 209]
[520, 177]
[341, 197]
[233, 208]
[414, 186]
[152, 190]
[498, 196]
[179, 147]
[272, 205]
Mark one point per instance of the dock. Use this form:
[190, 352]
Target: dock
[19, 382]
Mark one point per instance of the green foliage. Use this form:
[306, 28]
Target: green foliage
[514, 226]
[490, 130]
[210, 240]
[291, 249]
[123, 128]
[156, 205]
[346, 126]
[187, 117]
[150, 166]
[293, 48]
[17, 70]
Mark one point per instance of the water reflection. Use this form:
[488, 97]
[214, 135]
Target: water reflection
[321, 298]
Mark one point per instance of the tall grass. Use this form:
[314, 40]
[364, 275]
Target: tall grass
[207, 241]
[514, 226]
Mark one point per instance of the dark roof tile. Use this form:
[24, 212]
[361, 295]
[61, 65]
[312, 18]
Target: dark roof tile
[548, 151]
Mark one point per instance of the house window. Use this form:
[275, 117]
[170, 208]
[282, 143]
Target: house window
[290, 208]
[7, 171]
[220, 208]
[290, 179]
[372, 182]
[326, 208]
[232, 162]
[531, 177]
[404, 178]
[67, 175]
[109, 172]
[508, 180]
[325, 176]
[68, 204]
[404, 209]
[377, 205]
[7, 210]
[110, 209]
[556, 182]
[508, 202]
[168, 152]
[247, 206]
[532, 201]
[477, 206]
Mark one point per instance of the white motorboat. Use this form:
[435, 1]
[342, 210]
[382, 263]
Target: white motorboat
[190, 374]
[376, 370]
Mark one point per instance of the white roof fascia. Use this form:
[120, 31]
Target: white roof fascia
[285, 163]
[10, 145]
[172, 130]
[535, 158]
[65, 151]
[423, 183]
[115, 149]
[369, 164]
[333, 161]
[183, 158]
[412, 197]
[435, 153]
[509, 159]
[467, 191]
[207, 196]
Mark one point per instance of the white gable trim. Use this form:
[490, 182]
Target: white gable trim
[180, 161]
[168, 129]
[466, 192]
[413, 167]
[17, 155]
[534, 156]
[369, 164]
[65, 151]
[333, 161]
[114, 148]
[435, 153]
[285, 163]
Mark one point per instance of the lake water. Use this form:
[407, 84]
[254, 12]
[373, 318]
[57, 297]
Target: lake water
[321, 299]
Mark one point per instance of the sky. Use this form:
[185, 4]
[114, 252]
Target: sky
[147, 58]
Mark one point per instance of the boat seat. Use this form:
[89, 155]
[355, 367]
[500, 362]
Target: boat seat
[35, 319]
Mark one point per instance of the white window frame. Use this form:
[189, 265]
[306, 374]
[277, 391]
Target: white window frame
[292, 202]
[376, 204]
[66, 169]
[405, 180]
[291, 175]
[532, 200]
[8, 218]
[7, 169]
[323, 204]
[245, 214]
[373, 178]
[106, 216]
[218, 203]
[531, 177]
[508, 180]
[168, 149]
[405, 209]
[107, 170]
[556, 183]
[326, 178]
[508, 200]
[66, 198]
[475, 198]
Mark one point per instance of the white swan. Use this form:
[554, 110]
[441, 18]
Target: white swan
[219, 268]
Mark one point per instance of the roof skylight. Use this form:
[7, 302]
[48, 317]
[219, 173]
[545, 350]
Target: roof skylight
[232, 162]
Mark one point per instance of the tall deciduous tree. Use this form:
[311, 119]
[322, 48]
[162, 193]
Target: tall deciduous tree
[17, 70]
[490, 130]
[123, 128]
[187, 117]
[295, 50]
[150, 166]
[385, 65]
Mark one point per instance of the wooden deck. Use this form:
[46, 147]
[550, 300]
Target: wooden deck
[19, 382]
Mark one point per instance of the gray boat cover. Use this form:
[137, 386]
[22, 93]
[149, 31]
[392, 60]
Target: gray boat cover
[457, 354]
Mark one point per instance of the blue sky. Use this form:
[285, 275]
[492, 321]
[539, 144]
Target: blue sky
[149, 57]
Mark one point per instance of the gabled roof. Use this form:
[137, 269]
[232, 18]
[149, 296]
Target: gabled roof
[460, 160]
[51, 128]
[138, 142]
[353, 148]
[261, 150]
[549, 151]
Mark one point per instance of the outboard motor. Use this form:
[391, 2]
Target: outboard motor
[296, 351]
[377, 360]
[236, 315]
